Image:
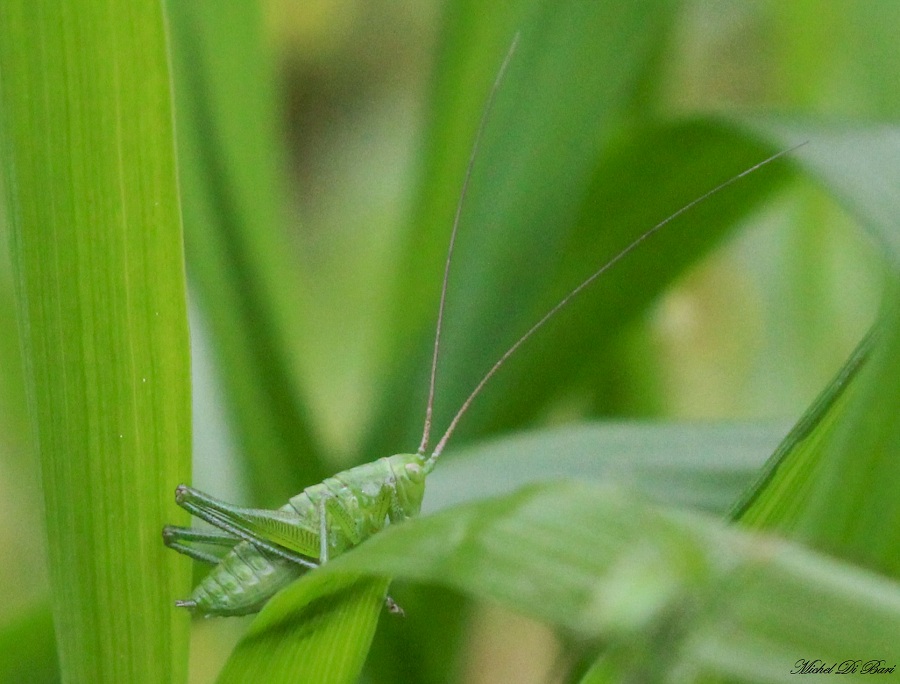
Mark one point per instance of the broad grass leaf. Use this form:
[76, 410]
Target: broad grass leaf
[88, 153]
[703, 599]
[694, 465]
[319, 634]
[834, 481]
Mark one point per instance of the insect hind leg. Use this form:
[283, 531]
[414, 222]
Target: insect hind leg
[251, 525]
[175, 538]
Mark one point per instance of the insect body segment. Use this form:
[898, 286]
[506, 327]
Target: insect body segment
[266, 550]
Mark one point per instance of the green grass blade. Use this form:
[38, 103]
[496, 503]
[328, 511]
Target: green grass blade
[772, 498]
[833, 483]
[90, 177]
[676, 590]
[13, 412]
[23, 577]
[854, 510]
[858, 165]
[637, 181]
[323, 639]
[702, 466]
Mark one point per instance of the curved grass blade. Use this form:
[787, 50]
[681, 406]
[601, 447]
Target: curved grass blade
[858, 165]
[700, 597]
[700, 466]
[321, 637]
[833, 483]
[772, 499]
[97, 251]
[637, 180]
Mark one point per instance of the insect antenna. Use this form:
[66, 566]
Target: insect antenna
[429, 464]
[426, 430]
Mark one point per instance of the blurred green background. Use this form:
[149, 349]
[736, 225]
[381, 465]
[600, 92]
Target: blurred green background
[320, 124]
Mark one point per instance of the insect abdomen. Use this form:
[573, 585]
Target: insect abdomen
[243, 581]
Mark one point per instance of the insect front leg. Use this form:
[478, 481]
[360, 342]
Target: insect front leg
[389, 508]
[335, 520]
[323, 531]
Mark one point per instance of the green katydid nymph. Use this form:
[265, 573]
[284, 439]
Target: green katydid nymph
[262, 551]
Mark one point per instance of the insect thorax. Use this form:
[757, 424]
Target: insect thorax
[389, 489]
